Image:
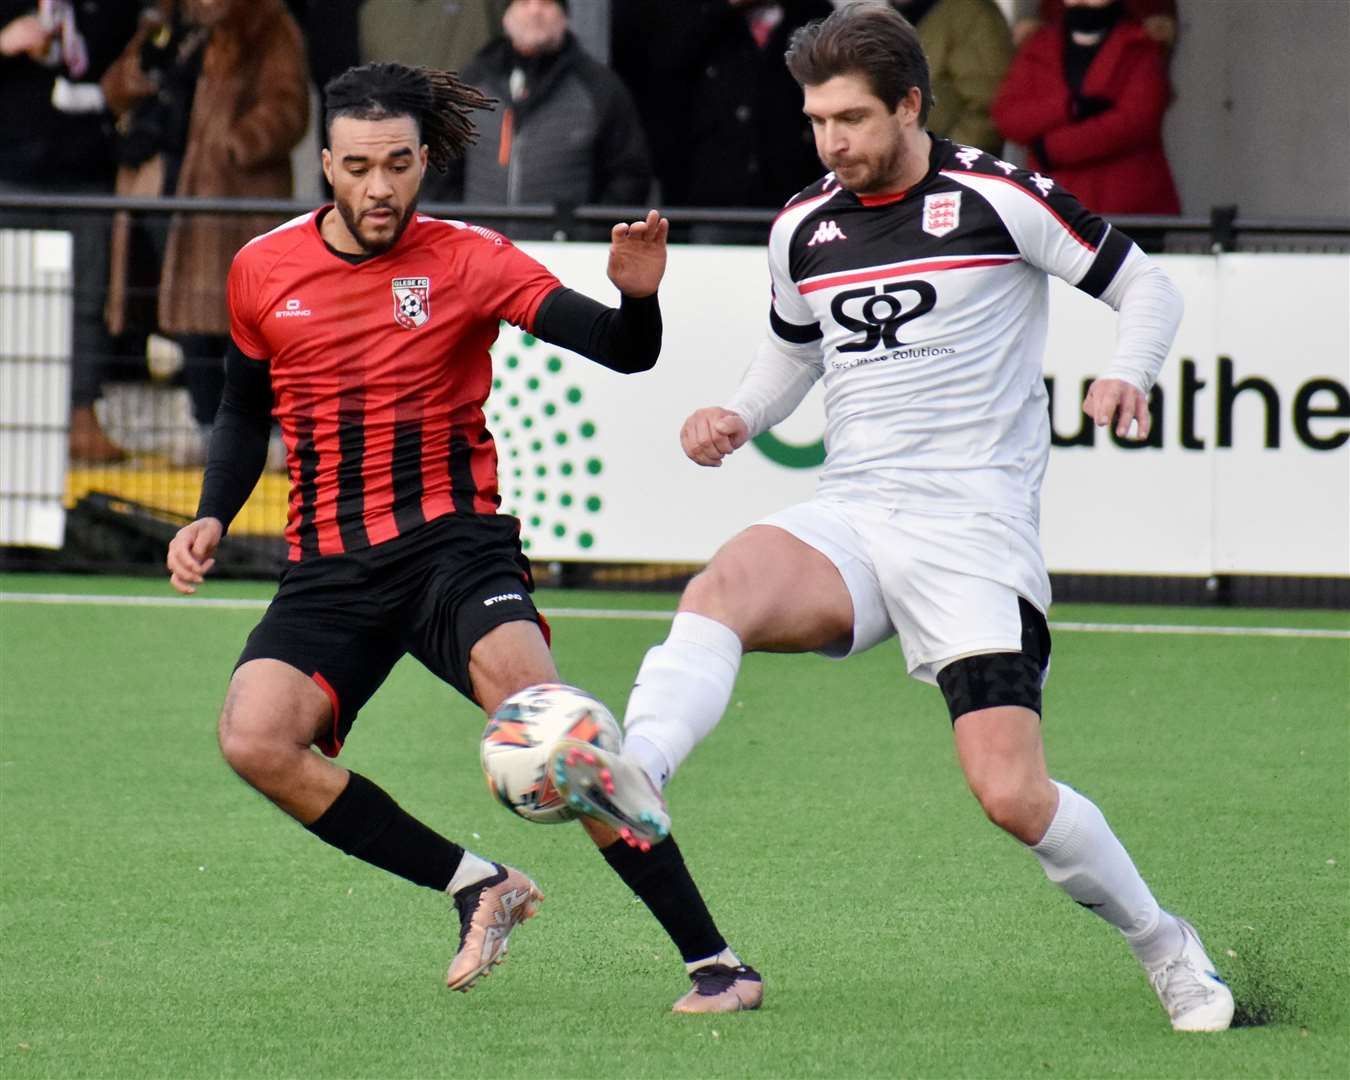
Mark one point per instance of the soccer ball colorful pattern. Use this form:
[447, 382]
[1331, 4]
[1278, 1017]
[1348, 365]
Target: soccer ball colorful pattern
[517, 741]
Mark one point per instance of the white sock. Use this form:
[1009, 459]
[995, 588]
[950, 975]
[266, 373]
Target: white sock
[1081, 855]
[471, 870]
[726, 956]
[681, 692]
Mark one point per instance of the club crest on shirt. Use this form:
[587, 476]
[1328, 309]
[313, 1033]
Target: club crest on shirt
[941, 212]
[412, 301]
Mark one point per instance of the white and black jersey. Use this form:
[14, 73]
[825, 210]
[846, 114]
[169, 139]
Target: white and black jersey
[929, 309]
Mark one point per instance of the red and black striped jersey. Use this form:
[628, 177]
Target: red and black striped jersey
[379, 371]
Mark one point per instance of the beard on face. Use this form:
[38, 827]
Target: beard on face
[352, 220]
[876, 175]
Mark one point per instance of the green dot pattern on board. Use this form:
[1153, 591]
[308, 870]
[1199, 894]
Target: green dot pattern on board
[528, 340]
[565, 499]
[566, 468]
[532, 382]
[585, 540]
[554, 364]
[593, 504]
[540, 496]
[560, 438]
[595, 466]
[536, 445]
[527, 422]
[513, 401]
[535, 521]
[541, 470]
[574, 395]
[560, 529]
[550, 409]
[513, 362]
[587, 430]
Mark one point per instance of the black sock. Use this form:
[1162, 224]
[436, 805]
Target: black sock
[365, 822]
[662, 882]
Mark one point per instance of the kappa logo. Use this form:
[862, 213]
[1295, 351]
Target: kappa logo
[826, 232]
[941, 212]
[292, 310]
[412, 301]
[1043, 184]
[968, 155]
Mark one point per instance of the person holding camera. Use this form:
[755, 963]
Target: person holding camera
[57, 139]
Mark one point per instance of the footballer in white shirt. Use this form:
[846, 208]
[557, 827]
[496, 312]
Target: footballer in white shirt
[912, 281]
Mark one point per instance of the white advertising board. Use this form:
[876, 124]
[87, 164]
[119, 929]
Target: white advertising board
[1248, 470]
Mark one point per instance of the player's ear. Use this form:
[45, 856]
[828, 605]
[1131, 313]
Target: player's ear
[326, 157]
[422, 156]
[910, 106]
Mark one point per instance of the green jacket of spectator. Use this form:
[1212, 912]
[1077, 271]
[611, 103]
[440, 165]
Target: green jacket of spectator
[969, 48]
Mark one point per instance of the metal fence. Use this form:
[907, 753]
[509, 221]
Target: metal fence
[71, 500]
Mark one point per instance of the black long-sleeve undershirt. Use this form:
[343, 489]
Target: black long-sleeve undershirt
[626, 339]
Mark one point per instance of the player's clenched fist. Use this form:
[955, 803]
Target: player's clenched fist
[711, 434]
[191, 553]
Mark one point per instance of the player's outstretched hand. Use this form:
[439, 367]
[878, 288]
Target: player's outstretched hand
[1113, 399]
[637, 255]
[191, 553]
[711, 434]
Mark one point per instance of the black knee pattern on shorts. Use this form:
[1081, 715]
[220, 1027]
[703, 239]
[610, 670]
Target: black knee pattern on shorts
[989, 680]
[1007, 678]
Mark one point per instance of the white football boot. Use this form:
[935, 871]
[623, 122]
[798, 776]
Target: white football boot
[611, 789]
[1189, 987]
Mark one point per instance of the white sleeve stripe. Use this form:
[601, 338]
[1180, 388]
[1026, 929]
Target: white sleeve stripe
[961, 177]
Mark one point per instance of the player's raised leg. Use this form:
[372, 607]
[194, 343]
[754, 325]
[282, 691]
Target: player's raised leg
[1001, 753]
[273, 714]
[515, 655]
[763, 590]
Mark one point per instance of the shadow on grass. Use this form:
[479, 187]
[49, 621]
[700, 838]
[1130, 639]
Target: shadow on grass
[1265, 994]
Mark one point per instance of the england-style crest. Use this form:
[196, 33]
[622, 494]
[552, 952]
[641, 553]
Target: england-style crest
[412, 301]
[941, 213]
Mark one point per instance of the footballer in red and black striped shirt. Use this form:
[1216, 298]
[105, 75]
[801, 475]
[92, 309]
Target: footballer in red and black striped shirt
[364, 329]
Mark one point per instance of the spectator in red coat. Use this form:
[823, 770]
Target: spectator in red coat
[1086, 96]
[1158, 16]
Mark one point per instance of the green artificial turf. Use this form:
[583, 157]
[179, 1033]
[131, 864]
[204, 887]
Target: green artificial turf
[158, 919]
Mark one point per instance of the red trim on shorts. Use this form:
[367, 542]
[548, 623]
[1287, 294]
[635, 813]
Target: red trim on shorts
[331, 746]
[545, 628]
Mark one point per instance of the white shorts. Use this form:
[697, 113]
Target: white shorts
[947, 585]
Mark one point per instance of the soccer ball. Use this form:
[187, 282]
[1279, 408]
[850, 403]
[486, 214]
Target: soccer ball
[523, 731]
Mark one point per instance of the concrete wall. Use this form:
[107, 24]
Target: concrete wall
[1262, 116]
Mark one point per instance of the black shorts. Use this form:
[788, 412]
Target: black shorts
[346, 620]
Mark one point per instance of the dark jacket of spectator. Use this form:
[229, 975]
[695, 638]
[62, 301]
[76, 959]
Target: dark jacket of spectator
[724, 114]
[50, 148]
[249, 109]
[574, 139]
[1104, 141]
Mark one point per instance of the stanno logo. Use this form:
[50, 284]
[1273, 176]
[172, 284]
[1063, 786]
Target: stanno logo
[412, 301]
[502, 596]
[941, 212]
[292, 310]
[825, 232]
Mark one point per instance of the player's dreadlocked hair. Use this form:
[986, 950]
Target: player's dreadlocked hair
[439, 103]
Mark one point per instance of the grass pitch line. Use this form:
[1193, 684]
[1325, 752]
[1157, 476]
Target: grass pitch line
[244, 604]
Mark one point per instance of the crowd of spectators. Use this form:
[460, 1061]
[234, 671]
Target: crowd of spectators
[694, 108]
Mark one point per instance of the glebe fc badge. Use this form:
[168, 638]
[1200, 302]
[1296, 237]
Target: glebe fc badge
[412, 301]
